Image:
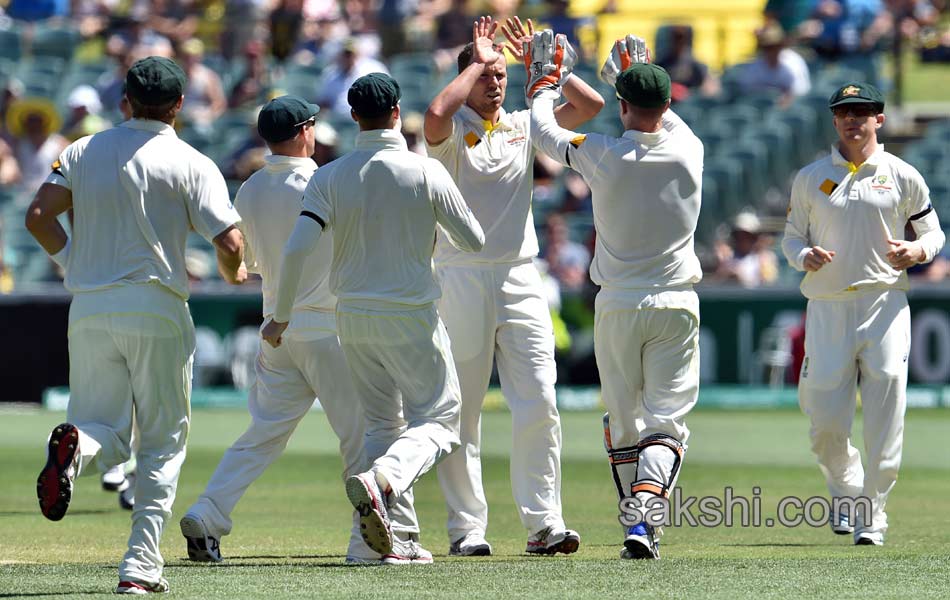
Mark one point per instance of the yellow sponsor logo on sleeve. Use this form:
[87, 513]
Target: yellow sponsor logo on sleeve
[472, 139]
[577, 141]
[827, 186]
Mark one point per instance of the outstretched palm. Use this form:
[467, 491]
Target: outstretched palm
[517, 36]
[483, 37]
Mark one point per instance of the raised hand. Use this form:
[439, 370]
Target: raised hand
[517, 36]
[483, 38]
[817, 257]
[625, 52]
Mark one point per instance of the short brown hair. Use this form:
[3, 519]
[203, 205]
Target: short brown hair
[164, 112]
[468, 51]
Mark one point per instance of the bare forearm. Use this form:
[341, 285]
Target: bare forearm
[229, 248]
[49, 233]
[438, 118]
[583, 103]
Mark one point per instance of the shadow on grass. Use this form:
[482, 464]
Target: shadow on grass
[774, 545]
[72, 513]
[69, 593]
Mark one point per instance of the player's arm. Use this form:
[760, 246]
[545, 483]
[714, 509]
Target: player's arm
[796, 244]
[229, 249]
[451, 212]
[923, 218]
[300, 245]
[51, 200]
[437, 125]
[548, 135]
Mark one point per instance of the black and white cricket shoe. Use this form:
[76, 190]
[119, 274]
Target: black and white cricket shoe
[202, 546]
[550, 541]
[54, 486]
[370, 502]
[641, 543]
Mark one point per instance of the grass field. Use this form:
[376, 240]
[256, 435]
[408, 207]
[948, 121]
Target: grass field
[291, 528]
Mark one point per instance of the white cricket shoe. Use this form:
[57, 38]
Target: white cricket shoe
[114, 479]
[358, 553]
[131, 586]
[551, 541]
[840, 523]
[370, 502]
[868, 538]
[473, 544]
[407, 551]
[202, 546]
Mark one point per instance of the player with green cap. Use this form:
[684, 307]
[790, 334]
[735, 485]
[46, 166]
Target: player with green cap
[646, 188]
[382, 203]
[136, 191]
[846, 228]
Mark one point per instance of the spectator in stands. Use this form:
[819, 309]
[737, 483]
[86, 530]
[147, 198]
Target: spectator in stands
[33, 123]
[248, 157]
[9, 167]
[906, 18]
[242, 21]
[37, 10]
[350, 65]
[393, 18]
[286, 21]
[321, 37]
[111, 86]
[558, 20]
[84, 114]
[789, 14]
[206, 99]
[776, 68]
[453, 27]
[837, 27]
[136, 33]
[325, 143]
[175, 19]
[255, 80]
[577, 196]
[747, 258]
[567, 260]
[687, 74]
[11, 90]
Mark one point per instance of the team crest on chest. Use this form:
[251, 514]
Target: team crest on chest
[880, 182]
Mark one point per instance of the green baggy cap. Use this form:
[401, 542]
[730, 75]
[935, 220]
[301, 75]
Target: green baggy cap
[280, 118]
[645, 85]
[373, 95]
[154, 81]
[857, 93]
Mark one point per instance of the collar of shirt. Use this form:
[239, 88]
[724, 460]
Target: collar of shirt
[647, 139]
[158, 127]
[279, 162]
[470, 116]
[838, 160]
[381, 139]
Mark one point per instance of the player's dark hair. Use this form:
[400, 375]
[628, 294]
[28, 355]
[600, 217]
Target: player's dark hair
[467, 52]
[164, 112]
[380, 122]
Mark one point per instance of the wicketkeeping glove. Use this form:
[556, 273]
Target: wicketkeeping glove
[625, 52]
[549, 60]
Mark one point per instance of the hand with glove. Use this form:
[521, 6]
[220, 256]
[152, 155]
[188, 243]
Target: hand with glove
[549, 60]
[625, 52]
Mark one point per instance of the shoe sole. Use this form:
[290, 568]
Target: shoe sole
[374, 528]
[843, 530]
[638, 547]
[863, 541]
[54, 489]
[568, 545]
[194, 533]
[477, 551]
[398, 560]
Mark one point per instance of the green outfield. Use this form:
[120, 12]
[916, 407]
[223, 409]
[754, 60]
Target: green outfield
[291, 528]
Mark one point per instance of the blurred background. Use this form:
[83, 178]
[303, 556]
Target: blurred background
[751, 77]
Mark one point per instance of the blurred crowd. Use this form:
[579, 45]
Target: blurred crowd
[240, 53]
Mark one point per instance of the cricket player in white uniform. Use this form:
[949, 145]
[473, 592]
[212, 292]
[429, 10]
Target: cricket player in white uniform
[646, 188]
[136, 191]
[383, 203]
[845, 229]
[493, 301]
[309, 363]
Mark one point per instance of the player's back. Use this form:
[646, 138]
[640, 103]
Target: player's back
[383, 223]
[646, 193]
[270, 203]
[137, 191]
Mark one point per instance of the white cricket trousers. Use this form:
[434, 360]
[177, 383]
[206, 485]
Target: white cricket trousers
[870, 335]
[307, 365]
[133, 346]
[498, 312]
[647, 351]
[402, 368]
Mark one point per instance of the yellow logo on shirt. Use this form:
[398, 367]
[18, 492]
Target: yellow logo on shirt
[471, 139]
[827, 186]
[577, 141]
[56, 164]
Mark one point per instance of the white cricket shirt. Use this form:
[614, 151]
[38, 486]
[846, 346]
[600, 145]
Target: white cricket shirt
[645, 189]
[493, 167]
[137, 191]
[382, 203]
[853, 210]
[270, 202]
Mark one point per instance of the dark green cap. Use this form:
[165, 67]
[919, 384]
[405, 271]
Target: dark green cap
[373, 95]
[857, 93]
[154, 81]
[645, 85]
[280, 118]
